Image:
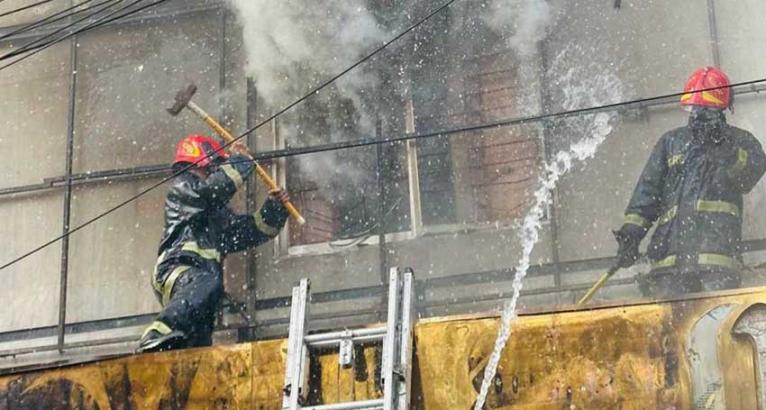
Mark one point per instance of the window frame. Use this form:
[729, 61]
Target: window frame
[284, 249]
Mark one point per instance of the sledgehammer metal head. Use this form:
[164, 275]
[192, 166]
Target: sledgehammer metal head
[182, 99]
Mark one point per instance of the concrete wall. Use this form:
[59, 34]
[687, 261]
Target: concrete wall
[127, 76]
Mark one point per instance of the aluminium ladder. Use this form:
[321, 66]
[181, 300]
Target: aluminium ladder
[396, 336]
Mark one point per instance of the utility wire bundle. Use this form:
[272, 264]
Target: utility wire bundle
[78, 19]
[133, 7]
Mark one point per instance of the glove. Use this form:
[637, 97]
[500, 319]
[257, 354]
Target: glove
[628, 238]
[273, 210]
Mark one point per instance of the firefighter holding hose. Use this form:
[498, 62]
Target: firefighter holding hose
[691, 189]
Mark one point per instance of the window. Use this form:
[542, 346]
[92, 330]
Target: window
[341, 193]
[483, 176]
[460, 179]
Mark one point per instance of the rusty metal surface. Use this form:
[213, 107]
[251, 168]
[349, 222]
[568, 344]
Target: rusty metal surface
[200, 378]
[702, 352]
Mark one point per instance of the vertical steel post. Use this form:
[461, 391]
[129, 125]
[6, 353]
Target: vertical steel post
[713, 25]
[67, 195]
[222, 103]
[545, 105]
[413, 177]
[381, 211]
[250, 208]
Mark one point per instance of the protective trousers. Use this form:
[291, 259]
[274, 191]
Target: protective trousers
[190, 299]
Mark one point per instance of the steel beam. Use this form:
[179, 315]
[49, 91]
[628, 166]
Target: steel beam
[66, 218]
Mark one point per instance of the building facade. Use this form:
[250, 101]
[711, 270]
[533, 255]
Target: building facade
[91, 110]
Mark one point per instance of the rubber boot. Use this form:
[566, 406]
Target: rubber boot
[154, 341]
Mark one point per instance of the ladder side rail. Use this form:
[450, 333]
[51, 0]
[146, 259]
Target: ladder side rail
[295, 369]
[292, 355]
[390, 341]
[407, 329]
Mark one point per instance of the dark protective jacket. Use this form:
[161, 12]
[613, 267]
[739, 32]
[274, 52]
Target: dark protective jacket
[692, 190]
[199, 227]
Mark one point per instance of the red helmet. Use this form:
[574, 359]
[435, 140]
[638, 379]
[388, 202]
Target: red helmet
[200, 148]
[706, 78]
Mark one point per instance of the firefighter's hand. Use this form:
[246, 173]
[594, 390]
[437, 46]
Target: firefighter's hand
[628, 240]
[279, 194]
[239, 148]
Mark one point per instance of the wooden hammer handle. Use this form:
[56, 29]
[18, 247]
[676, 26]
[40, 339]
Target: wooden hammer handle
[265, 177]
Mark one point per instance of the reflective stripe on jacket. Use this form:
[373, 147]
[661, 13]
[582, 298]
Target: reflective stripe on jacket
[692, 191]
[199, 227]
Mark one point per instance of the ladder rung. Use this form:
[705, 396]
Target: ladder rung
[395, 335]
[354, 405]
[334, 338]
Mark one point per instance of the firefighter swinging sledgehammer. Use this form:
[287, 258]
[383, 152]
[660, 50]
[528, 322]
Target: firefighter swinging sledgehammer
[691, 189]
[200, 230]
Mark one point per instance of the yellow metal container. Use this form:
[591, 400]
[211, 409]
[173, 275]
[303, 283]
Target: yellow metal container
[699, 352]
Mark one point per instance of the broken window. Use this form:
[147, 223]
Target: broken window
[342, 194]
[475, 177]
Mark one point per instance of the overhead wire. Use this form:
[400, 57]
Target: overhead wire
[20, 9]
[108, 18]
[29, 46]
[368, 142]
[289, 152]
[57, 16]
[266, 121]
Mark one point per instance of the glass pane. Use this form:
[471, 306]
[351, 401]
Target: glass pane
[342, 198]
[129, 76]
[341, 191]
[33, 117]
[30, 288]
[111, 261]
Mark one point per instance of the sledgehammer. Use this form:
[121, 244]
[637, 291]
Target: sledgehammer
[183, 100]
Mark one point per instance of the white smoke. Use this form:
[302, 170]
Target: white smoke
[294, 45]
[524, 23]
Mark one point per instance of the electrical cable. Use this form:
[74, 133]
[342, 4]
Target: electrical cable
[360, 143]
[60, 15]
[284, 153]
[29, 46]
[103, 21]
[290, 152]
[266, 121]
[309, 150]
[8, 13]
